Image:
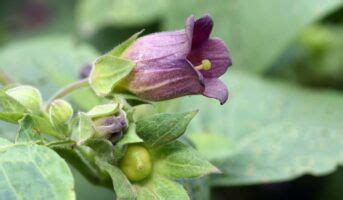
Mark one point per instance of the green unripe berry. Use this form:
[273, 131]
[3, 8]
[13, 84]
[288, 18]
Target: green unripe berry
[136, 163]
[27, 96]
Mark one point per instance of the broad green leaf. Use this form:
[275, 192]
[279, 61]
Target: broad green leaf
[280, 131]
[118, 50]
[160, 188]
[213, 146]
[107, 72]
[178, 160]
[83, 130]
[34, 62]
[255, 31]
[103, 110]
[94, 15]
[160, 129]
[30, 171]
[26, 132]
[121, 185]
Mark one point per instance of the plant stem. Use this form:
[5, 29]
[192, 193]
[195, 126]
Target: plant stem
[4, 79]
[66, 90]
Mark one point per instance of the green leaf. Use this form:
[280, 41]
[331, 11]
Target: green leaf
[10, 109]
[43, 125]
[83, 130]
[213, 146]
[118, 50]
[248, 27]
[107, 72]
[129, 137]
[27, 96]
[11, 117]
[158, 187]
[160, 129]
[178, 160]
[30, 171]
[280, 131]
[47, 68]
[103, 110]
[103, 147]
[93, 16]
[121, 185]
[26, 132]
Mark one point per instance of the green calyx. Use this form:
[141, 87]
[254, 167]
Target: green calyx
[136, 163]
[27, 96]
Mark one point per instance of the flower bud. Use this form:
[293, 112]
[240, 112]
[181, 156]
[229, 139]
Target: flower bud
[111, 127]
[27, 96]
[60, 112]
[136, 163]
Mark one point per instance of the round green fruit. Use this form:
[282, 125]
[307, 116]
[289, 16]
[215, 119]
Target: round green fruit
[136, 163]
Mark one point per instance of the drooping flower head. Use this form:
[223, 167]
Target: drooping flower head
[179, 63]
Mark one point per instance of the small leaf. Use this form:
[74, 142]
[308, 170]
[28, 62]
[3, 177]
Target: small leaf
[10, 109]
[103, 147]
[129, 137]
[121, 185]
[43, 125]
[26, 131]
[107, 72]
[29, 171]
[103, 110]
[118, 50]
[84, 129]
[27, 96]
[158, 187]
[178, 160]
[163, 128]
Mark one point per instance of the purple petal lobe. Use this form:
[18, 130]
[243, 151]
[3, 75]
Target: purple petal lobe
[154, 47]
[216, 52]
[215, 88]
[202, 30]
[175, 79]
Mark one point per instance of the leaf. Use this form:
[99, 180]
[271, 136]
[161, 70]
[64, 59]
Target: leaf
[248, 27]
[280, 131]
[26, 131]
[84, 129]
[160, 188]
[93, 16]
[118, 50]
[121, 185]
[213, 146]
[103, 110]
[163, 128]
[129, 137]
[10, 109]
[107, 72]
[177, 160]
[30, 171]
[48, 69]
[43, 125]
[103, 147]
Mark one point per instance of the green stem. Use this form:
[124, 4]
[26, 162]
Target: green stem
[4, 79]
[66, 90]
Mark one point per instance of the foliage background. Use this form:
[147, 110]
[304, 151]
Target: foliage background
[279, 136]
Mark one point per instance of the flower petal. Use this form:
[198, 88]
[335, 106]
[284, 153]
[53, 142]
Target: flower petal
[202, 30]
[174, 79]
[215, 88]
[165, 45]
[214, 50]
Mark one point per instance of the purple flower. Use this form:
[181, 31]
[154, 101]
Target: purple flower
[179, 63]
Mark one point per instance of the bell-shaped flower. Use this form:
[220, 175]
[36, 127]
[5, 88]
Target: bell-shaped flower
[179, 63]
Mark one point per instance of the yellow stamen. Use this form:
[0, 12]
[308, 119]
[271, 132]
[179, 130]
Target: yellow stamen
[205, 65]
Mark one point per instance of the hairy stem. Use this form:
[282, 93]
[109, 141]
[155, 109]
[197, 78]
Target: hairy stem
[66, 90]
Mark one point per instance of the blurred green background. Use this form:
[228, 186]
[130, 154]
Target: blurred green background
[280, 136]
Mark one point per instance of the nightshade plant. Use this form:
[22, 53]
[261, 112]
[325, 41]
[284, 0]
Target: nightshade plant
[124, 143]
